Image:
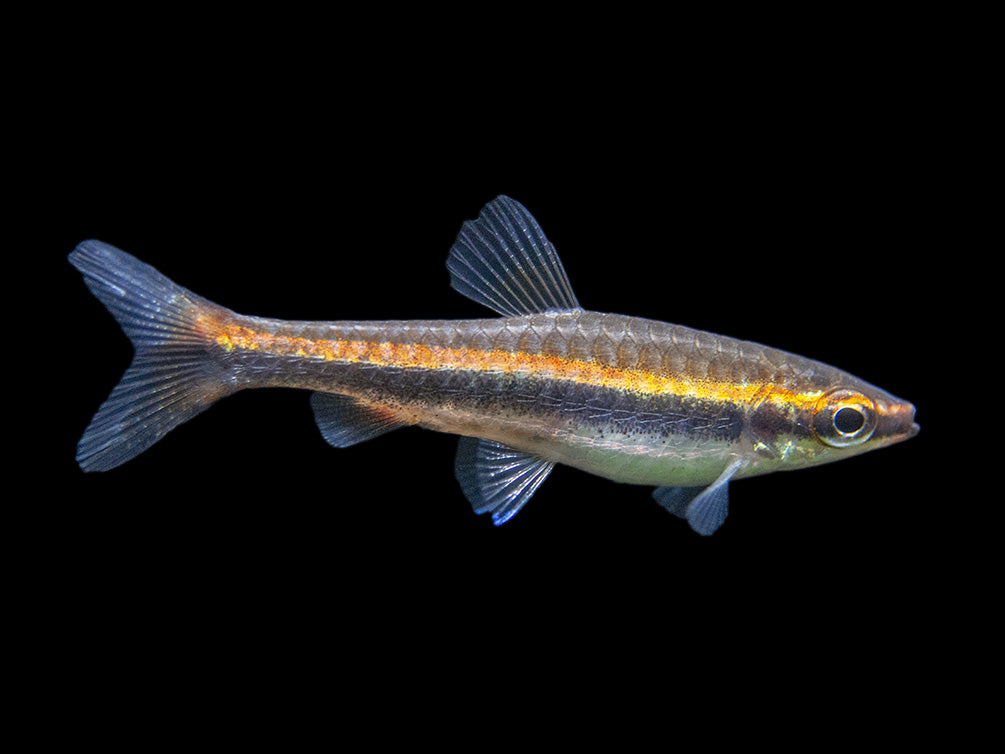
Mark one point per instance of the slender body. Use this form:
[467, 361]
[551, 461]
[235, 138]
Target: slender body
[547, 382]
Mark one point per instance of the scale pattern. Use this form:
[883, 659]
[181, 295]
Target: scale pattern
[557, 372]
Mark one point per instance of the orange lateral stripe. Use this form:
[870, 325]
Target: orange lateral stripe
[418, 355]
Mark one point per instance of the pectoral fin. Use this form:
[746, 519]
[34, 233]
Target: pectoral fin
[705, 508]
[496, 478]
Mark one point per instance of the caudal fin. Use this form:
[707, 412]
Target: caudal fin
[172, 377]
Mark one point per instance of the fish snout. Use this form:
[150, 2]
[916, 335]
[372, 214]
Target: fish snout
[896, 421]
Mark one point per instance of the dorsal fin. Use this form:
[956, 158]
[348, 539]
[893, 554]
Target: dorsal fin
[504, 261]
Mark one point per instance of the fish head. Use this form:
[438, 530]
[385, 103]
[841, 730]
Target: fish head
[827, 422]
[851, 419]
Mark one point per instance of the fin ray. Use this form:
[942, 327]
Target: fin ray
[170, 379]
[496, 478]
[344, 421]
[504, 261]
[676, 499]
[704, 508]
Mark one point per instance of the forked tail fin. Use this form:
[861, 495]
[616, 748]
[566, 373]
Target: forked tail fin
[172, 376]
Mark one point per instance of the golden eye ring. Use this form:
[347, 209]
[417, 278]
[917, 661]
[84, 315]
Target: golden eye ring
[844, 418]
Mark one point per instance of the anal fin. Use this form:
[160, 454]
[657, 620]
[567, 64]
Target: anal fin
[496, 478]
[344, 421]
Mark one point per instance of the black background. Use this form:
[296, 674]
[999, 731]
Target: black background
[798, 206]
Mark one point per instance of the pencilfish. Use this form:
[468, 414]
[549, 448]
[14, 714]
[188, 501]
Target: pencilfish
[545, 382]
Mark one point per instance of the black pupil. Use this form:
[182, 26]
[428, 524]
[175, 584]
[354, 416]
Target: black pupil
[848, 421]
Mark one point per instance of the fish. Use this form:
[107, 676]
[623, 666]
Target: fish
[541, 383]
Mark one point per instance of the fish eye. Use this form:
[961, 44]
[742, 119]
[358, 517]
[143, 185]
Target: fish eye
[844, 418]
[848, 420]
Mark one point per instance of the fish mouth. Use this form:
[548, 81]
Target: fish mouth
[896, 423]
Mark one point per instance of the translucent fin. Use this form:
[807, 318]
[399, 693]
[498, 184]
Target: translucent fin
[704, 508]
[344, 422]
[496, 478]
[675, 499]
[171, 378]
[504, 261]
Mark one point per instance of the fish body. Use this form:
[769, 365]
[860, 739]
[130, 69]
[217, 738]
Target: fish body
[546, 382]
